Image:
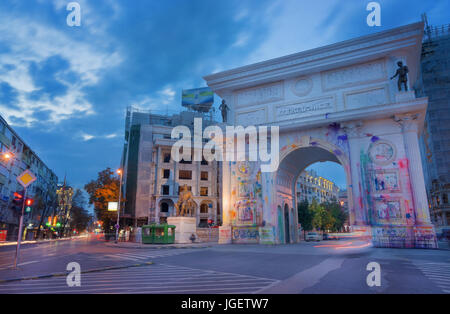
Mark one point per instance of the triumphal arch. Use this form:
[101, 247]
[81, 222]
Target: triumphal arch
[334, 103]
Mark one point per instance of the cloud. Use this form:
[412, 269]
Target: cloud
[48, 70]
[241, 40]
[112, 135]
[86, 137]
[294, 26]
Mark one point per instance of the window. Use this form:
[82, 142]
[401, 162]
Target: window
[165, 189]
[204, 208]
[203, 223]
[204, 162]
[182, 161]
[166, 173]
[204, 176]
[164, 207]
[166, 157]
[445, 198]
[203, 191]
[185, 175]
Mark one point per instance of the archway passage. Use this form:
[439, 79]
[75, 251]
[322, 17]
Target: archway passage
[294, 161]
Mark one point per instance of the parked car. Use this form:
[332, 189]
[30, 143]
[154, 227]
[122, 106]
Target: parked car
[313, 236]
[330, 236]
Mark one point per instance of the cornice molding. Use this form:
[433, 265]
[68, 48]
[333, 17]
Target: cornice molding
[320, 59]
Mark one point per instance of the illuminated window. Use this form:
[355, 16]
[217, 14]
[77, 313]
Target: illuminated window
[185, 175]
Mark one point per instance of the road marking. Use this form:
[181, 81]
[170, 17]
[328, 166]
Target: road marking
[304, 279]
[150, 279]
[136, 256]
[26, 263]
[438, 273]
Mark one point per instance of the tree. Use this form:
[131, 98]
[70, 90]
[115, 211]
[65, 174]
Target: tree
[101, 191]
[44, 208]
[337, 213]
[322, 220]
[305, 215]
[79, 215]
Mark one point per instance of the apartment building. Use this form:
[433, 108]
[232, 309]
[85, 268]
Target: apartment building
[152, 179]
[43, 190]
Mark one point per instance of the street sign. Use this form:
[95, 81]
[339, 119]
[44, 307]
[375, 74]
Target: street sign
[26, 178]
[112, 206]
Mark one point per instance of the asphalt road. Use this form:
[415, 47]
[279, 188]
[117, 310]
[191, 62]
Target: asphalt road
[325, 267]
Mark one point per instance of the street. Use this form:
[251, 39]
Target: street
[311, 267]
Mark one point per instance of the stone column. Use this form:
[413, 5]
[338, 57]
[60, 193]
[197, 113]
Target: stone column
[410, 129]
[357, 215]
[225, 229]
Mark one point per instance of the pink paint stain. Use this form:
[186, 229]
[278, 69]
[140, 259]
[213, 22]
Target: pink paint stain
[403, 163]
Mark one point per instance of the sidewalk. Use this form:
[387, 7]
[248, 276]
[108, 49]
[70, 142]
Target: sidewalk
[444, 245]
[134, 245]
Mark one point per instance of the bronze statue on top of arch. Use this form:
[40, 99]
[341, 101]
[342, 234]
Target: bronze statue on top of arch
[402, 73]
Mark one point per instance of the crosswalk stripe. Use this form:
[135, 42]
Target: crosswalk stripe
[438, 273]
[135, 257]
[149, 279]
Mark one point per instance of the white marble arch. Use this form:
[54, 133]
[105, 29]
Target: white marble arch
[339, 101]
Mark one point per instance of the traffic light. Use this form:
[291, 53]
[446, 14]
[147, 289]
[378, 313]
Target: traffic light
[17, 201]
[28, 203]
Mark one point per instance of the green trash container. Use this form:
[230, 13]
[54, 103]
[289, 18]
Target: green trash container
[158, 234]
[148, 234]
[164, 234]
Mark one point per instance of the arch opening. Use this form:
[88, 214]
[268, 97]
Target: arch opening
[296, 180]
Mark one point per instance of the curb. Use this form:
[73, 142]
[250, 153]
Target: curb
[82, 272]
[159, 247]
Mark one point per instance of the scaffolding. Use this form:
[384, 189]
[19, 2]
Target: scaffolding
[435, 84]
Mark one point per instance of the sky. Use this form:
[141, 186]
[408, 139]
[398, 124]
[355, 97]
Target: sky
[65, 89]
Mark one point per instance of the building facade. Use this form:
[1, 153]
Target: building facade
[312, 186]
[43, 190]
[152, 179]
[435, 142]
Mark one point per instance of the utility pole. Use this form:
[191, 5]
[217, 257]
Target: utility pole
[120, 172]
[19, 236]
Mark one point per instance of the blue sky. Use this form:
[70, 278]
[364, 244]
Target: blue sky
[65, 89]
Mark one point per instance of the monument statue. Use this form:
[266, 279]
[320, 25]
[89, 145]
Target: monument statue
[224, 109]
[402, 72]
[185, 205]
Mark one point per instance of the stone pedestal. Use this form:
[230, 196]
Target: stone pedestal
[185, 227]
[404, 96]
[225, 234]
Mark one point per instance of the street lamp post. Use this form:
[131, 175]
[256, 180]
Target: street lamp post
[19, 237]
[119, 171]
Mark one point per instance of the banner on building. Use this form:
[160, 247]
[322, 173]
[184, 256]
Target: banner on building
[199, 99]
